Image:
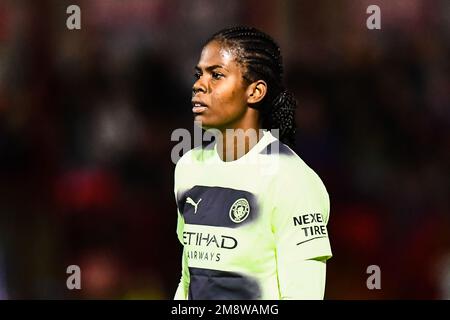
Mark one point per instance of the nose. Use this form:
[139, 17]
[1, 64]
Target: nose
[198, 87]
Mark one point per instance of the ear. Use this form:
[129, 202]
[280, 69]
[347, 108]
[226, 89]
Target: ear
[256, 91]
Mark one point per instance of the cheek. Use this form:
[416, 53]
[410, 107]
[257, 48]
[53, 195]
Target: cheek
[229, 96]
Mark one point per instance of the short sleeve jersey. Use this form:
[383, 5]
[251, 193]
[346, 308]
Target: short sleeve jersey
[244, 224]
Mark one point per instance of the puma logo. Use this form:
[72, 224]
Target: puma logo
[190, 201]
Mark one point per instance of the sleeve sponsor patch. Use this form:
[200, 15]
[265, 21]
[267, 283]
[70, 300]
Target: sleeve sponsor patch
[311, 226]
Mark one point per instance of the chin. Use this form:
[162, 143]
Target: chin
[205, 122]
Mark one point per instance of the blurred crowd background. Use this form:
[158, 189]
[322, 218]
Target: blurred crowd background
[86, 116]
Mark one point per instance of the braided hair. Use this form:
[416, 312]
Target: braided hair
[260, 57]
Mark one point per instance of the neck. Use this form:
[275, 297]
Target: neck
[236, 139]
[235, 143]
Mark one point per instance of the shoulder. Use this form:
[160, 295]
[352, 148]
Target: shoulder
[298, 188]
[293, 169]
[290, 169]
[295, 177]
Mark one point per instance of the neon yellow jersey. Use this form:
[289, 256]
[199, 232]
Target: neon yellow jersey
[247, 224]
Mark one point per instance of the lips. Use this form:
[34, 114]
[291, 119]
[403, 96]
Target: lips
[198, 106]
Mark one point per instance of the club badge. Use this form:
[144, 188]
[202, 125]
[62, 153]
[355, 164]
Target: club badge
[240, 210]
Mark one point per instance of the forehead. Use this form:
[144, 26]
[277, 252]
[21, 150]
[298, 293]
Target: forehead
[216, 54]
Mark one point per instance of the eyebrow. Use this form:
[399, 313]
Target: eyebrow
[210, 68]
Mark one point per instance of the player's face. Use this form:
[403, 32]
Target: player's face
[219, 97]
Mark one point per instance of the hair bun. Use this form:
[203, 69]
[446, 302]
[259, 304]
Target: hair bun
[284, 99]
[283, 115]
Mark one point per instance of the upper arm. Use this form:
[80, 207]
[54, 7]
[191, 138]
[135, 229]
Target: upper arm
[299, 224]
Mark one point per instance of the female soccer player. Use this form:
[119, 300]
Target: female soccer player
[252, 225]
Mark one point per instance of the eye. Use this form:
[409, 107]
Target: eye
[197, 75]
[216, 75]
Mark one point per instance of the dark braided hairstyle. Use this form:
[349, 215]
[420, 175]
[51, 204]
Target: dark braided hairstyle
[260, 57]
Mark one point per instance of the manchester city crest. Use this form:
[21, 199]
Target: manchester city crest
[240, 210]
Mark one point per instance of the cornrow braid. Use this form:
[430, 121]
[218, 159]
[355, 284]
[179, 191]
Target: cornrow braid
[260, 57]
